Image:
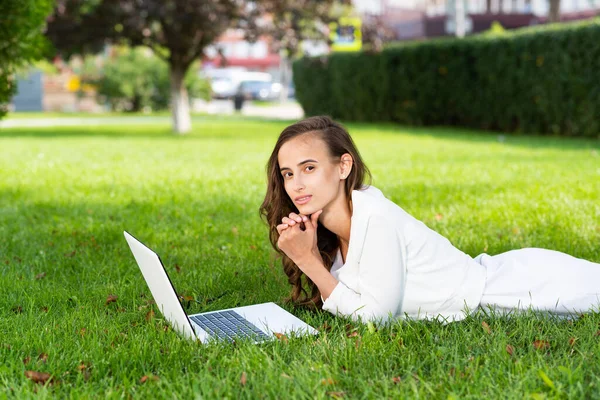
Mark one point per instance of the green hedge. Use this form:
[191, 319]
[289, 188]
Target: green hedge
[535, 80]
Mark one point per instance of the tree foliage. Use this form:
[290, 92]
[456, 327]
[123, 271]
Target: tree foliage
[21, 40]
[136, 79]
[177, 30]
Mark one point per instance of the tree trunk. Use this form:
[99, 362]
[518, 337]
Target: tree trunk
[488, 6]
[285, 74]
[180, 105]
[554, 13]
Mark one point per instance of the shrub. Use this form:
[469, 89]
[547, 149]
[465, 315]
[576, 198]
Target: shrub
[535, 80]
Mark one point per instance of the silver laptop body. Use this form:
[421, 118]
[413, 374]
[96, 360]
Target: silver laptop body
[256, 322]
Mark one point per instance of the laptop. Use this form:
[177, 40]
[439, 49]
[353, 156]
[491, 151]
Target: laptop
[257, 323]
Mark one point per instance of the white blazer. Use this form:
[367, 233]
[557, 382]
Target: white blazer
[397, 267]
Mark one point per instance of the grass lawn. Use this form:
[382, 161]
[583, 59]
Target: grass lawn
[66, 195]
[58, 114]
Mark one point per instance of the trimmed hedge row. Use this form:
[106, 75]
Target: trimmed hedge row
[535, 80]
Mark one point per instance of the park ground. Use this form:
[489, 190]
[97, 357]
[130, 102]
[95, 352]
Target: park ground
[74, 305]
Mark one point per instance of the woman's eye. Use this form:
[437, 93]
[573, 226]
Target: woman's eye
[287, 175]
[309, 168]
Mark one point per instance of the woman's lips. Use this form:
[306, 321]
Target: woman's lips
[303, 199]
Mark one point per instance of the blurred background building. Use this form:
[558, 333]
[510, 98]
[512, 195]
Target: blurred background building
[421, 19]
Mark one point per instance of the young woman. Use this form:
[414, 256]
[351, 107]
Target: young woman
[366, 258]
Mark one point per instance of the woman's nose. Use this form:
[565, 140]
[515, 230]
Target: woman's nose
[298, 183]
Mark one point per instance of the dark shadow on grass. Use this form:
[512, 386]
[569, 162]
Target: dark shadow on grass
[204, 236]
[481, 136]
[82, 244]
[232, 127]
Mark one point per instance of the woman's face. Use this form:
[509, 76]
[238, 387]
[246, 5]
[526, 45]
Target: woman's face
[312, 178]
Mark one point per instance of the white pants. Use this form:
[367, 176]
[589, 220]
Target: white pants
[542, 280]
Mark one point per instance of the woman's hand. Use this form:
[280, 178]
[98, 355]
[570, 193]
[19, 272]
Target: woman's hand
[298, 237]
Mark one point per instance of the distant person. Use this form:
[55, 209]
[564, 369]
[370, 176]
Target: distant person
[365, 257]
[238, 98]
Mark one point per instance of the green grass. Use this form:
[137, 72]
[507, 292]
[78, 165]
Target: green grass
[66, 195]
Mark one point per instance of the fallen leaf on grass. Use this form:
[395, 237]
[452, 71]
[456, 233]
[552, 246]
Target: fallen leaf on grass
[281, 336]
[336, 395]
[40, 276]
[84, 370]
[325, 327]
[26, 360]
[71, 254]
[486, 327]
[439, 217]
[509, 349]
[82, 332]
[145, 378]
[43, 357]
[17, 309]
[572, 341]
[111, 299]
[38, 377]
[177, 268]
[352, 334]
[243, 379]
[541, 344]
[328, 381]
[186, 301]
[149, 315]
[396, 379]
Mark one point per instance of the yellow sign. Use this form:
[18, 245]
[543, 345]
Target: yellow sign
[345, 34]
[73, 84]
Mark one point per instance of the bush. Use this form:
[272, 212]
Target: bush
[21, 40]
[136, 79]
[535, 80]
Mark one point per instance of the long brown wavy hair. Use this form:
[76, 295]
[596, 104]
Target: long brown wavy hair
[277, 204]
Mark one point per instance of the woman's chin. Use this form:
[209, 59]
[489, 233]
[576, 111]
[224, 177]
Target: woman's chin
[306, 210]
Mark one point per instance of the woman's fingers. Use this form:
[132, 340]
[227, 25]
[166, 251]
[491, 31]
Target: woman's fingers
[281, 228]
[286, 220]
[295, 217]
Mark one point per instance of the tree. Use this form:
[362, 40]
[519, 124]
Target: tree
[21, 40]
[554, 11]
[177, 30]
[136, 79]
[288, 23]
[291, 22]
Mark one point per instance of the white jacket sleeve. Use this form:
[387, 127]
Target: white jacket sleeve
[381, 277]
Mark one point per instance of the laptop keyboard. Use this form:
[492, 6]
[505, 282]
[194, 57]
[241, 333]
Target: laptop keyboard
[229, 325]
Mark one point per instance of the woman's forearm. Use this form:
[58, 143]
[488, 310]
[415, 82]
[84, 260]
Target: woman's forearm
[315, 270]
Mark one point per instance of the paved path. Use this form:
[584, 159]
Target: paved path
[286, 111]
